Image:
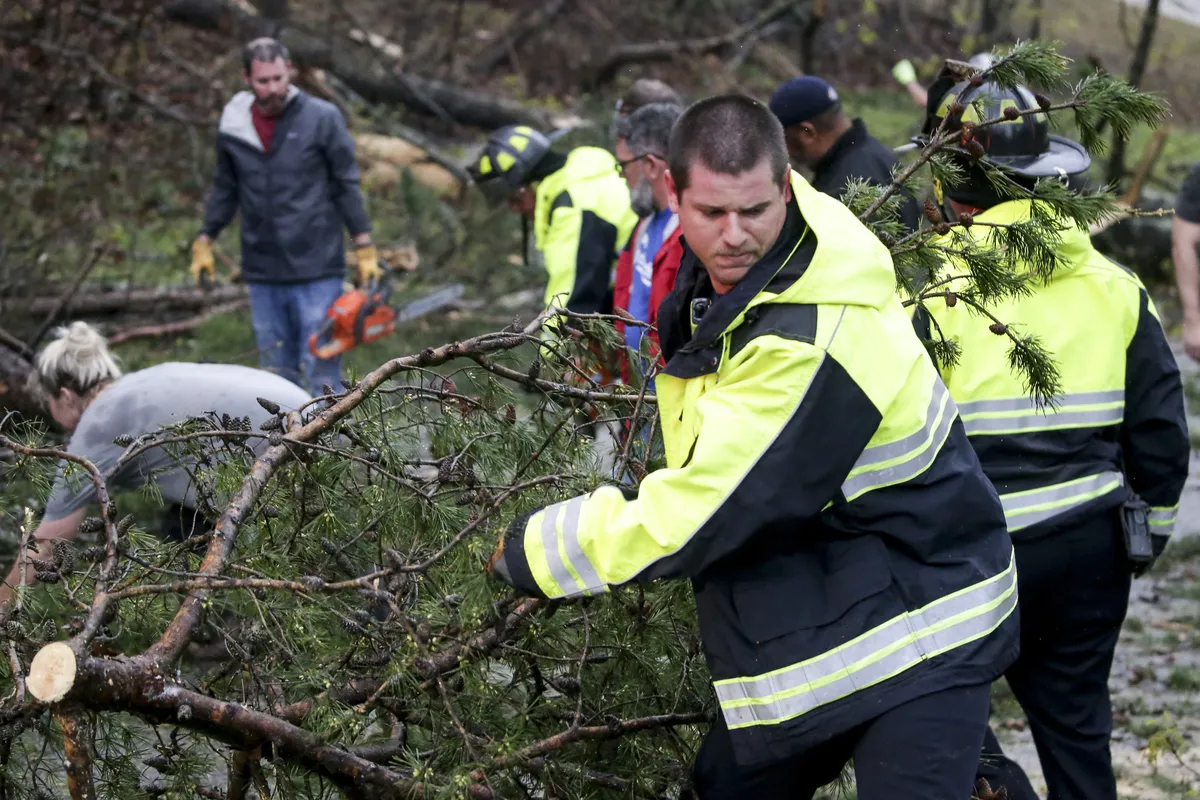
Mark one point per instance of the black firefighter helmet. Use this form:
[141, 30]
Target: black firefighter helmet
[507, 160]
[1023, 147]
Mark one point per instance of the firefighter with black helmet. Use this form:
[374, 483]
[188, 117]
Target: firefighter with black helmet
[578, 204]
[1091, 485]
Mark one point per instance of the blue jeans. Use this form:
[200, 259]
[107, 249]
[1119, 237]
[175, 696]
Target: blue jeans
[284, 316]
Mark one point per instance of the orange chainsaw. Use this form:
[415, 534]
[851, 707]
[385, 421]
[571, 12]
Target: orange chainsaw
[363, 315]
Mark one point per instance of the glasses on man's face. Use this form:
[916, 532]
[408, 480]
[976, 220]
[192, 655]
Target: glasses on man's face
[621, 165]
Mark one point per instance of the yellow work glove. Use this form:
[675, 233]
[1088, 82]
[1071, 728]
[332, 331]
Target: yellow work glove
[904, 72]
[368, 264]
[202, 259]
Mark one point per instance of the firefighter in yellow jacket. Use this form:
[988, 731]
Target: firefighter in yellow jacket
[1090, 486]
[578, 204]
[854, 582]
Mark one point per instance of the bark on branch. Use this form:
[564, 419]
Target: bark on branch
[465, 106]
[664, 51]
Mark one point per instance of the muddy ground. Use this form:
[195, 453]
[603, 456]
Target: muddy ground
[1155, 680]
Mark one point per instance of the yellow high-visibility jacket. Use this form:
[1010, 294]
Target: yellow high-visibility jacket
[1119, 424]
[847, 553]
[581, 221]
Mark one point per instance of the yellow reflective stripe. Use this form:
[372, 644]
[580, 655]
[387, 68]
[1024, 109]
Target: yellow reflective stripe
[1022, 509]
[877, 655]
[569, 566]
[1021, 414]
[902, 460]
[1162, 519]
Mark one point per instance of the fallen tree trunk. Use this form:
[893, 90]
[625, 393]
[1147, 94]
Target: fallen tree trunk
[666, 50]
[144, 301]
[465, 106]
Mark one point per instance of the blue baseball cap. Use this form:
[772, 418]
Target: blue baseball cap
[801, 99]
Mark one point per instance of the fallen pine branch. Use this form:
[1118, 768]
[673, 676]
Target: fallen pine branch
[175, 328]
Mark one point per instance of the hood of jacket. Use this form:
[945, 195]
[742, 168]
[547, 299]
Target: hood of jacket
[237, 122]
[584, 165]
[1073, 250]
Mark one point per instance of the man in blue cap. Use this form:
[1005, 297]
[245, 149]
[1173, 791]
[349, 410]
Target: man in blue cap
[821, 137]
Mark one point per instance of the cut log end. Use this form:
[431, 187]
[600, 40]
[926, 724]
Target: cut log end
[52, 672]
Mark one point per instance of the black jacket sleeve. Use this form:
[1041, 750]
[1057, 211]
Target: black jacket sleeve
[1154, 436]
[223, 199]
[343, 175]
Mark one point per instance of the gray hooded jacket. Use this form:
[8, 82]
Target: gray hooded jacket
[295, 198]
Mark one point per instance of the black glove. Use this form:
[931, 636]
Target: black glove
[1158, 543]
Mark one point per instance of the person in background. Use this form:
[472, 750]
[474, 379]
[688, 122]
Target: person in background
[906, 75]
[91, 399]
[643, 92]
[286, 161]
[821, 137]
[1185, 244]
[647, 266]
[1090, 485]
[577, 202]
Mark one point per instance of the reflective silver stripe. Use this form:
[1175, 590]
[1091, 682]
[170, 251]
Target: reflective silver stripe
[1026, 403]
[1072, 410]
[1022, 509]
[921, 448]
[1040, 421]
[575, 557]
[591, 583]
[1162, 520]
[896, 646]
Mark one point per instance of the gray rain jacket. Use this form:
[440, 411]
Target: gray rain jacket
[294, 199]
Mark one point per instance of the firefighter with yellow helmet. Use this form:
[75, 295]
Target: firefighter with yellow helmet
[1090, 486]
[578, 204]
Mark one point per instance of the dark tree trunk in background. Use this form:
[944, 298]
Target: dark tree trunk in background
[1037, 8]
[808, 36]
[1137, 70]
[14, 388]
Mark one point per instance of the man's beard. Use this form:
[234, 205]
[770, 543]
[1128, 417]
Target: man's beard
[271, 105]
[641, 198]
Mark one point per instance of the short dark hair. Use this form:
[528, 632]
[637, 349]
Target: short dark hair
[730, 134]
[264, 49]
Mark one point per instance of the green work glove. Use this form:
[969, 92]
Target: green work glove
[904, 72]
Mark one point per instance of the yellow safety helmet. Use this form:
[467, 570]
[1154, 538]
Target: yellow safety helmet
[506, 160]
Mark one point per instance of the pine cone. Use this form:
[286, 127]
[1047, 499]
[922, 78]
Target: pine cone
[361, 617]
[125, 524]
[346, 384]
[276, 438]
[1011, 113]
[48, 577]
[93, 554]
[226, 422]
[255, 636]
[942, 228]
[329, 547]
[269, 511]
[91, 525]
[350, 626]
[326, 389]
[14, 631]
[124, 440]
[270, 406]
[535, 369]
[966, 219]
[372, 455]
[951, 299]
[271, 424]
[1042, 101]
[514, 326]
[932, 212]
[976, 150]
[998, 328]
[49, 631]
[976, 79]
[313, 581]
[445, 471]
[64, 556]
[567, 684]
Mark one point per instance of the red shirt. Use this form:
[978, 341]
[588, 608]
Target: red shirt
[666, 266]
[264, 125]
